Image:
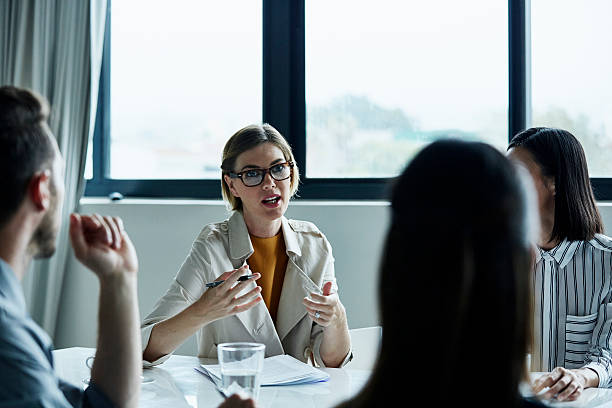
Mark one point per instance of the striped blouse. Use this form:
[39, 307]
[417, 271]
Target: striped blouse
[573, 307]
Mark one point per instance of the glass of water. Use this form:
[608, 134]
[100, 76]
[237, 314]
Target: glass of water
[241, 366]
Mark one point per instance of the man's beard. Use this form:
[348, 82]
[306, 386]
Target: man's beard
[43, 241]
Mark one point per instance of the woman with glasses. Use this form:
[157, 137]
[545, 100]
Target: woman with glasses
[289, 302]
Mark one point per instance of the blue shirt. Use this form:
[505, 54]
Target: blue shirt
[27, 375]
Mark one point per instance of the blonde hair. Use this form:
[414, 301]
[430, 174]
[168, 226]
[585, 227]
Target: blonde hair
[245, 139]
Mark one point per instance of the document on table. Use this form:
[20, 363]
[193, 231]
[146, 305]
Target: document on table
[277, 370]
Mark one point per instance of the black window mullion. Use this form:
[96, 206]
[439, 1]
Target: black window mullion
[283, 72]
[518, 64]
[298, 82]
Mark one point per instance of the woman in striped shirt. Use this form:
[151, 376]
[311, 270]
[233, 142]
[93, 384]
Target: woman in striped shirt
[572, 273]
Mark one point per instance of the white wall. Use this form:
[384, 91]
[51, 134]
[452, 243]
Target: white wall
[163, 230]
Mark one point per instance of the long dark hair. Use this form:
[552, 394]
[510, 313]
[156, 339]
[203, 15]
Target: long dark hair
[561, 157]
[454, 280]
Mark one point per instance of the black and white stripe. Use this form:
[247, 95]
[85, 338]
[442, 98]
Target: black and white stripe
[573, 307]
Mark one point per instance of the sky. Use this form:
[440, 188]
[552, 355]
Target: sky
[185, 60]
[442, 62]
[572, 57]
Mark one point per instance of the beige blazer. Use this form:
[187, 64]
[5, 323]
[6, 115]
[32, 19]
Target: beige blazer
[225, 246]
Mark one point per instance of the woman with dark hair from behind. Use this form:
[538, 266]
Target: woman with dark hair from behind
[573, 268]
[454, 281]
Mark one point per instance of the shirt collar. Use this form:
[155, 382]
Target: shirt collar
[11, 292]
[602, 242]
[561, 254]
[240, 244]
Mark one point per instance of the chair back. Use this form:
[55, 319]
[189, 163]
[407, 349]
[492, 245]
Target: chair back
[366, 346]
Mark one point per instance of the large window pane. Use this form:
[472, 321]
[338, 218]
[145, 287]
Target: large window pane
[185, 75]
[571, 64]
[385, 78]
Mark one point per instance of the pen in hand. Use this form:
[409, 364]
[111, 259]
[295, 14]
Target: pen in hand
[217, 283]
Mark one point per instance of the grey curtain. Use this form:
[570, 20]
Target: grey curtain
[55, 48]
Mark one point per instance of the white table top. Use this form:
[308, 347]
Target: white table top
[176, 384]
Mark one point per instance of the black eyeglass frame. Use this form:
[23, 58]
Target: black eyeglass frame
[265, 171]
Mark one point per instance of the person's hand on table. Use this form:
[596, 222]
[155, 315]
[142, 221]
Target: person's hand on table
[565, 384]
[236, 402]
[326, 309]
[223, 300]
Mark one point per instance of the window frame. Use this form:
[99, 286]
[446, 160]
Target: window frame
[284, 107]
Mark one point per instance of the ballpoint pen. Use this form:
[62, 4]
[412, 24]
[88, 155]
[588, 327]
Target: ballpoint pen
[217, 283]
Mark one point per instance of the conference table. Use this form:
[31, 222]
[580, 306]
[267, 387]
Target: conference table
[177, 384]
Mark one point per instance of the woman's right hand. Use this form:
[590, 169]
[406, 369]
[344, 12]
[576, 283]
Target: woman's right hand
[223, 300]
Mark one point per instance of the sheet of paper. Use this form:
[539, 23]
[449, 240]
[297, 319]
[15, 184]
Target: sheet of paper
[277, 370]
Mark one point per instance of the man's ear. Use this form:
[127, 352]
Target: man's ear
[230, 183]
[39, 190]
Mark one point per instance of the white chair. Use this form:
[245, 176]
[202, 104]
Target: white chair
[366, 345]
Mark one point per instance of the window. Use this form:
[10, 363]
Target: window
[571, 65]
[187, 71]
[357, 87]
[384, 79]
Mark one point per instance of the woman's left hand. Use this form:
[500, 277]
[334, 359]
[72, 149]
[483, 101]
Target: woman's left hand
[565, 384]
[325, 310]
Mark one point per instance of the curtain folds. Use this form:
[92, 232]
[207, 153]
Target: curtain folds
[54, 47]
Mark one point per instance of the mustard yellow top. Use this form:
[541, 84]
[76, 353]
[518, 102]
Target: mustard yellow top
[270, 260]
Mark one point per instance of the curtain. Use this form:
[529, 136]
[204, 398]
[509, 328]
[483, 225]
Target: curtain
[54, 47]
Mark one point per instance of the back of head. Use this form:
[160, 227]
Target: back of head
[25, 145]
[454, 276]
[561, 157]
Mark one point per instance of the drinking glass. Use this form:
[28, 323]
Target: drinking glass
[241, 365]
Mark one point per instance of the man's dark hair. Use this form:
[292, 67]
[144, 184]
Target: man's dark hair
[25, 145]
[561, 157]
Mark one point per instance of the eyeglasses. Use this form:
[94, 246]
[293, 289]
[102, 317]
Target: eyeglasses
[254, 177]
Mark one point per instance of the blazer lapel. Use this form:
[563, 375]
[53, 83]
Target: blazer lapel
[297, 286]
[240, 247]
